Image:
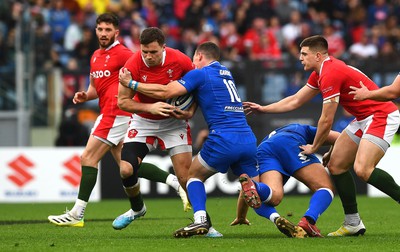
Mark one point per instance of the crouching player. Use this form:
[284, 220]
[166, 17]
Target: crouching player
[280, 157]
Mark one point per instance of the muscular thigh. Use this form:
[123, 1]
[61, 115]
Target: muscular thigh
[94, 151]
[275, 180]
[314, 176]
[343, 154]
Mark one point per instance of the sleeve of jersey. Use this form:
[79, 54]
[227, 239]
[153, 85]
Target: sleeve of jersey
[313, 81]
[330, 88]
[192, 80]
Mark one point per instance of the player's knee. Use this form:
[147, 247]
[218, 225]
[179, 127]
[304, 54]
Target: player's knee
[129, 164]
[363, 172]
[125, 169]
[276, 198]
[87, 160]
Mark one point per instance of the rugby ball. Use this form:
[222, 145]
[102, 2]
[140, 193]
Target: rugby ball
[182, 102]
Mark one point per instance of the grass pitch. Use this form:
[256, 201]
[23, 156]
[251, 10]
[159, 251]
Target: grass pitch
[24, 227]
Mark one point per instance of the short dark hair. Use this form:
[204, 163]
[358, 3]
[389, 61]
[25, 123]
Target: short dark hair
[316, 43]
[150, 35]
[108, 18]
[210, 50]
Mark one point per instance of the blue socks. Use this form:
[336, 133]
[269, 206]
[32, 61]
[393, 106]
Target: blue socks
[319, 202]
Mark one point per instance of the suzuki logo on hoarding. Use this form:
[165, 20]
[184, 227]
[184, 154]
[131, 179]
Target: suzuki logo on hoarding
[74, 167]
[21, 175]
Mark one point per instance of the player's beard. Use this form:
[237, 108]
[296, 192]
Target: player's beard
[104, 44]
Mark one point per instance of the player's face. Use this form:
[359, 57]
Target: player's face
[307, 58]
[106, 34]
[152, 53]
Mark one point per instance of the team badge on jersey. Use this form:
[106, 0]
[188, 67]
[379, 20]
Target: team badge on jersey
[169, 72]
[132, 133]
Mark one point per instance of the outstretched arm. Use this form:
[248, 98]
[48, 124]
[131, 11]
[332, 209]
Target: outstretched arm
[241, 212]
[386, 93]
[285, 105]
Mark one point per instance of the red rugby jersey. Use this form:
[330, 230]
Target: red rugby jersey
[174, 65]
[335, 79]
[104, 68]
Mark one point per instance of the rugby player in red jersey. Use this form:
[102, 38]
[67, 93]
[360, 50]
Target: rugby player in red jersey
[111, 125]
[154, 126]
[362, 143]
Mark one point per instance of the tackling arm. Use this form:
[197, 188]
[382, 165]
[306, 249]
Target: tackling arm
[162, 92]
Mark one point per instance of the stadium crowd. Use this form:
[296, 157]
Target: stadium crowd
[61, 33]
[244, 29]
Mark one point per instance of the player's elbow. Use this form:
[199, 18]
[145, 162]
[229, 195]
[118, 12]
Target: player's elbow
[122, 104]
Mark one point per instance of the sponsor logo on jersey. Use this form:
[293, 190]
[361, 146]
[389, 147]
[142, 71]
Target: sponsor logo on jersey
[144, 77]
[100, 74]
[233, 109]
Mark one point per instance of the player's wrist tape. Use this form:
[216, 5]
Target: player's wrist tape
[133, 84]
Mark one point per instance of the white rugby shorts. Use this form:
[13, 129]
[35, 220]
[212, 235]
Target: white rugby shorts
[110, 129]
[165, 133]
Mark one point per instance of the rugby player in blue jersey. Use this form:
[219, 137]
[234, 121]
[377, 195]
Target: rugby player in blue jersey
[231, 142]
[280, 157]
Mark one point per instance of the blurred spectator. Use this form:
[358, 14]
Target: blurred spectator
[59, 20]
[180, 7]
[240, 17]
[388, 54]
[73, 33]
[392, 29]
[364, 49]
[42, 48]
[188, 42]
[377, 13]
[337, 45]
[258, 9]
[207, 33]
[193, 15]
[260, 43]
[230, 42]
[276, 28]
[89, 15]
[355, 20]
[292, 29]
[149, 13]
[132, 41]
[84, 49]
[171, 34]
[284, 10]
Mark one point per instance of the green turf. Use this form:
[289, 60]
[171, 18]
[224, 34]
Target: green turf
[24, 227]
